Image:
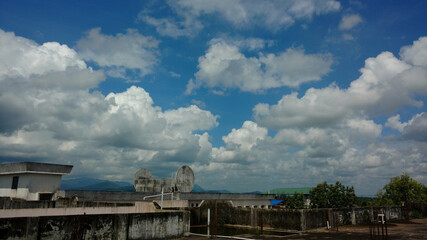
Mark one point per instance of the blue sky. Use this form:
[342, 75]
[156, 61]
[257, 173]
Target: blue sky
[252, 95]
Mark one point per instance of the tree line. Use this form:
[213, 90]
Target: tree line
[401, 190]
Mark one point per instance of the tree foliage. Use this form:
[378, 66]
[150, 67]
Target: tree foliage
[381, 199]
[336, 195]
[296, 201]
[404, 189]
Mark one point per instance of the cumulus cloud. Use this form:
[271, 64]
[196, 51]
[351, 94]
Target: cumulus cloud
[23, 57]
[48, 113]
[385, 85]
[329, 133]
[394, 122]
[416, 54]
[123, 51]
[224, 66]
[241, 14]
[240, 143]
[414, 129]
[349, 21]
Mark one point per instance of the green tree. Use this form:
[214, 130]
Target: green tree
[296, 201]
[381, 199]
[336, 195]
[404, 189]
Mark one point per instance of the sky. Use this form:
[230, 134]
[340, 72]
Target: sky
[252, 95]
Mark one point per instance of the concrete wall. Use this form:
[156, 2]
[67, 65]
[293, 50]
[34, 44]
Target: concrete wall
[140, 207]
[138, 196]
[302, 219]
[106, 195]
[154, 185]
[29, 185]
[113, 226]
[255, 203]
[223, 196]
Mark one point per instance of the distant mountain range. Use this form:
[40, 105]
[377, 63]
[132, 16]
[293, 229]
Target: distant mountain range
[199, 189]
[93, 184]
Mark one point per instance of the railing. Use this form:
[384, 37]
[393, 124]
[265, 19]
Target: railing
[161, 199]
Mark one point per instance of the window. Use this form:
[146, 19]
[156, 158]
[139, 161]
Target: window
[15, 182]
[45, 196]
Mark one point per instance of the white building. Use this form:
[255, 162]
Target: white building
[30, 180]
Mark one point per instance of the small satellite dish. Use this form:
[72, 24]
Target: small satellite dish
[184, 179]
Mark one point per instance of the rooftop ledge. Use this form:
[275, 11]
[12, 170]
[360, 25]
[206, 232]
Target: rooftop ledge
[34, 167]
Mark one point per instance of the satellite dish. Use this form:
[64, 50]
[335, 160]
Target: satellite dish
[142, 173]
[184, 179]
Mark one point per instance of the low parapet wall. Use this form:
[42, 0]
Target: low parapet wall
[111, 226]
[290, 219]
[224, 196]
[138, 196]
[7, 203]
[139, 207]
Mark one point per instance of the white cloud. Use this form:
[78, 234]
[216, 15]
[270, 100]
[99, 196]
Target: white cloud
[23, 57]
[416, 54]
[414, 129]
[364, 129]
[48, 113]
[174, 74]
[246, 137]
[168, 27]
[394, 122]
[349, 21]
[250, 44]
[386, 84]
[198, 103]
[348, 37]
[131, 50]
[328, 134]
[224, 66]
[275, 15]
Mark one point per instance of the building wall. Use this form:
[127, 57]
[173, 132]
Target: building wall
[29, 185]
[112, 226]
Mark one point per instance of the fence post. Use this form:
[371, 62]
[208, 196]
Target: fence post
[209, 221]
[161, 202]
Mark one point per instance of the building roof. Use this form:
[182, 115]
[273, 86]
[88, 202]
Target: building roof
[290, 191]
[34, 167]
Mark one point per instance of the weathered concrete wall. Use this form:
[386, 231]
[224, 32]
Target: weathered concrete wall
[113, 226]
[253, 203]
[138, 196]
[138, 207]
[315, 218]
[173, 203]
[106, 195]
[7, 203]
[223, 196]
[223, 213]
